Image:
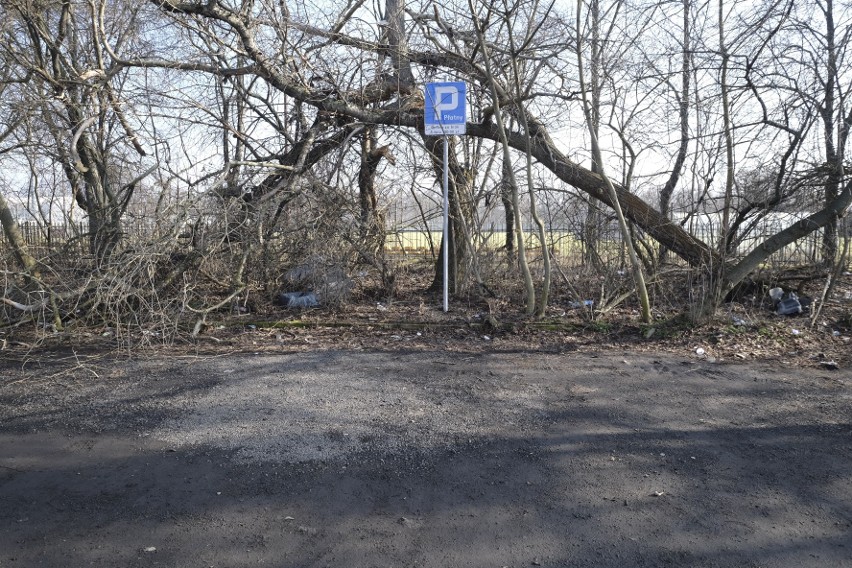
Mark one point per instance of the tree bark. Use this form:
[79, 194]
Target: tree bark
[509, 211]
[794, 232]
[461, 210]
[695, 252]
[16, 240]
[833, 147]
[683, 112]
[372, 223]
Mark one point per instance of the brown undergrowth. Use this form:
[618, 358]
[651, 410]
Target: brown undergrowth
[746, 329]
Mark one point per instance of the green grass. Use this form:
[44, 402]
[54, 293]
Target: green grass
[563, 243]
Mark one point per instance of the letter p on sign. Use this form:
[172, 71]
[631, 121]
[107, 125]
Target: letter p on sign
[446, 98]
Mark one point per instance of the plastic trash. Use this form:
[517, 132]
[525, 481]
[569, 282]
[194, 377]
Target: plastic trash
[298, 300]
[776, 294]
[789, 306]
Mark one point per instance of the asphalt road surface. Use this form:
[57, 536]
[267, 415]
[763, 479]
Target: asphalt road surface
[427, 459]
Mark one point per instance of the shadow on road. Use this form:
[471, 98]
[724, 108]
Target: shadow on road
[735, 467]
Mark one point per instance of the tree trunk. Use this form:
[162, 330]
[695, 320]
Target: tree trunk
[371, 156]
[509, 209]
[592, 227]
[372, 223]
[695, 252]
[833, 147]
[503, 138]
[683, 111]
[638, 274]
[16, 240]
[461, 212]
[791, 234]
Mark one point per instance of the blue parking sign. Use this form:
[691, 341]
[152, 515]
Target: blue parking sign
[445, 109]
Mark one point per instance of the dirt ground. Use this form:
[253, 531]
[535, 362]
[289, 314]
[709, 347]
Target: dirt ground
[429, 457]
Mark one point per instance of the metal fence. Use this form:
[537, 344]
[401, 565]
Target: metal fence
[568, 244]
[73, 237]
[38, 235]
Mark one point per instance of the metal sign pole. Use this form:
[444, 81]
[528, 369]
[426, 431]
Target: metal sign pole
[445, 238]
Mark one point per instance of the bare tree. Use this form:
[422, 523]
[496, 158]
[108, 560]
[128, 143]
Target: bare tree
[638, 273]
[76, 95]
[279, 122]
[8, 125]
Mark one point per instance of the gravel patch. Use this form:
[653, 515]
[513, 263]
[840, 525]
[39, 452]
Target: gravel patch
[302, 408]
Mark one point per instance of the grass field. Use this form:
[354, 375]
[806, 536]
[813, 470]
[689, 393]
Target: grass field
[566, 244]
[560, 242]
